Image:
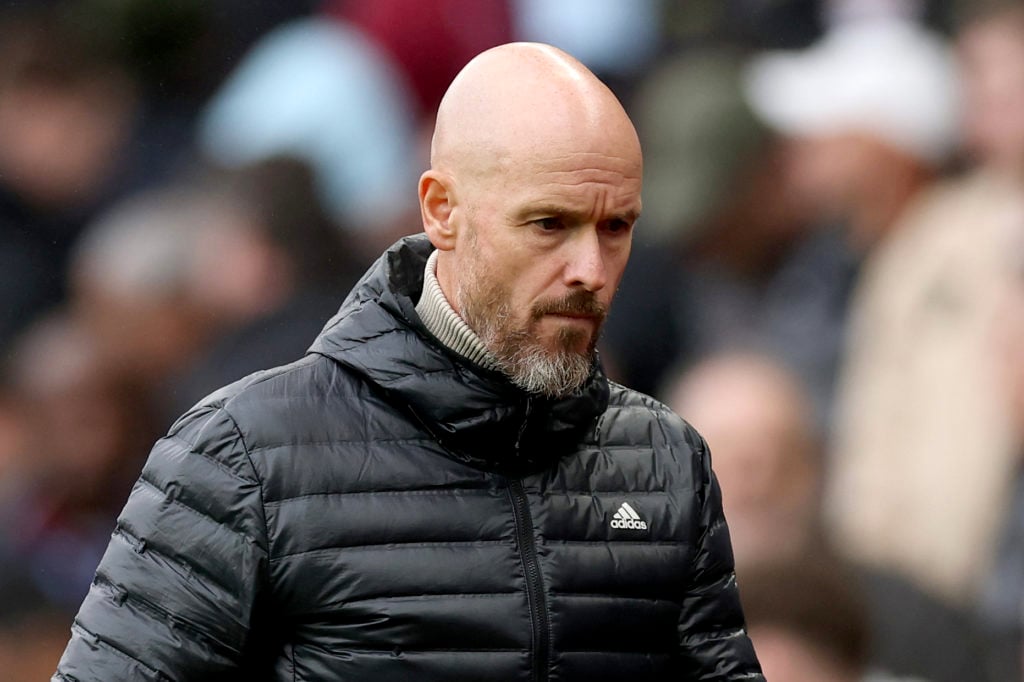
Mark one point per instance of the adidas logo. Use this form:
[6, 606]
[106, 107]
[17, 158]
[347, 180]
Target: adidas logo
[627, 517]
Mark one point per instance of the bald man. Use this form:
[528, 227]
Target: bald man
[446, 487]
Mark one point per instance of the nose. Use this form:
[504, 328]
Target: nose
[585, 266]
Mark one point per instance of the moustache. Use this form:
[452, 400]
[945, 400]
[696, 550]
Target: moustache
[580, 302]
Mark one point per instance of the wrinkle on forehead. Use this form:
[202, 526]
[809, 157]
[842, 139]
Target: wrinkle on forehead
[589, 167]
[526, 100]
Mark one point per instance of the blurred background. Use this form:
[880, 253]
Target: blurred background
[828, 279]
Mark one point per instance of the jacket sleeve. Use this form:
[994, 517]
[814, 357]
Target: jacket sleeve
[174, 595]
[712, 634]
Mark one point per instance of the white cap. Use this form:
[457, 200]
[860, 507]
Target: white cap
[886, 77]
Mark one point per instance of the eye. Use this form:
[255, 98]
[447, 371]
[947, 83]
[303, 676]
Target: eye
[549, 224]
[618, 226]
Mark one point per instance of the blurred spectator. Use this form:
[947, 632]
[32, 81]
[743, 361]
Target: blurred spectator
[759, 424]
[702, 141]
[193, 286]
[322, 91]
[133, 275]
[757, 24]
[724, 256]
[766, 233]
[991, 42]
[83, 436]
[806, 621]
[841, 11]
[868, 117]
[430, 40]
[684, 109]
[271, 277]
[66, 112]
[758, 421]
[937, 15]
[926, 449]
[991, 47]
[872, 112]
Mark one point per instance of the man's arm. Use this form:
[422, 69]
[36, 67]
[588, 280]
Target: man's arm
[174, 595]
[712, 636]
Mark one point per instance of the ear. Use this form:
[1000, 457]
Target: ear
[437, 200]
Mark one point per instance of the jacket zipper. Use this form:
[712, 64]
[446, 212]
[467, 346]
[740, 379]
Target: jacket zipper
[539, 617]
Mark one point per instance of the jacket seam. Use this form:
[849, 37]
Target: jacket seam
[620, 543]
[140, 546]
[463, 650]
[412, 491]
[120, 595]
[191, 510]
[439, 650]
[90, 635]
[498, 595]
[588, 493]
[192, 450]
[632, 447]
[701, 495]
[615, 597]
[256, 477]
[338, 441]
[444, 544]
[710, 635]
[266, 375]
[474, 543]
[262, 495]
[421, 597]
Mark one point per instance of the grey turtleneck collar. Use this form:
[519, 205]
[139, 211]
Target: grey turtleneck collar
[442, 321]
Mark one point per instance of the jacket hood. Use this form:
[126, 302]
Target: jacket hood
[479, 416]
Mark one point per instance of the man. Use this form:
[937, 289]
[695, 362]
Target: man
[446, 487]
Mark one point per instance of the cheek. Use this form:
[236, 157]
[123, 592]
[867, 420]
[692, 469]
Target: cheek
[617, 266]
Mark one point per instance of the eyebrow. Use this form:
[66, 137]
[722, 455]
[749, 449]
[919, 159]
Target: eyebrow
[629, 216]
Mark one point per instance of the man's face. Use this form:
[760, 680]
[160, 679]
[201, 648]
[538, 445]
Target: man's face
[991, 52]
[545, 241]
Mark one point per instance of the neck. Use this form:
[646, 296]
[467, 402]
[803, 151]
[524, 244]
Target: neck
[444, 323]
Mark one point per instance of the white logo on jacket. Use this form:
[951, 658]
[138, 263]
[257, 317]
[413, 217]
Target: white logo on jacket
[626, 517]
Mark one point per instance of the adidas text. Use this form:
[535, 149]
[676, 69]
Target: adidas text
[629, 523]
[626, 517]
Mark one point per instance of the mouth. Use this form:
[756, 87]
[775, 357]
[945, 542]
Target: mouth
[576, 317]
[573, 315]
[576, 309]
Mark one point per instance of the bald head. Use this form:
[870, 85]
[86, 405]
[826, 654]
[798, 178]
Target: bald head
[531, 198]
[521, 98]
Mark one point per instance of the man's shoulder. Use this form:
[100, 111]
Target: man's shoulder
[281, 403]
[636, 418]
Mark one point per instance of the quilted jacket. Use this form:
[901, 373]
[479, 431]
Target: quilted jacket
[384, 510]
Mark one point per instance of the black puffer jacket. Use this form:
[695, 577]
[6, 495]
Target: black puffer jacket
[383, 510]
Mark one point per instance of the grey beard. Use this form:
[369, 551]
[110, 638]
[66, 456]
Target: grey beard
[529, 365]
[535, 370]
[517, 352]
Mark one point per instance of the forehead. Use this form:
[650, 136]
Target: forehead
[576, 178]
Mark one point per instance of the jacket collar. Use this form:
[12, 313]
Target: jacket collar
[476, 414]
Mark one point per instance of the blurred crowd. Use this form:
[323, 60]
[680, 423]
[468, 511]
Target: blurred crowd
[827, 281]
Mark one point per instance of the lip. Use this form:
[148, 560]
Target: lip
[574, 316]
